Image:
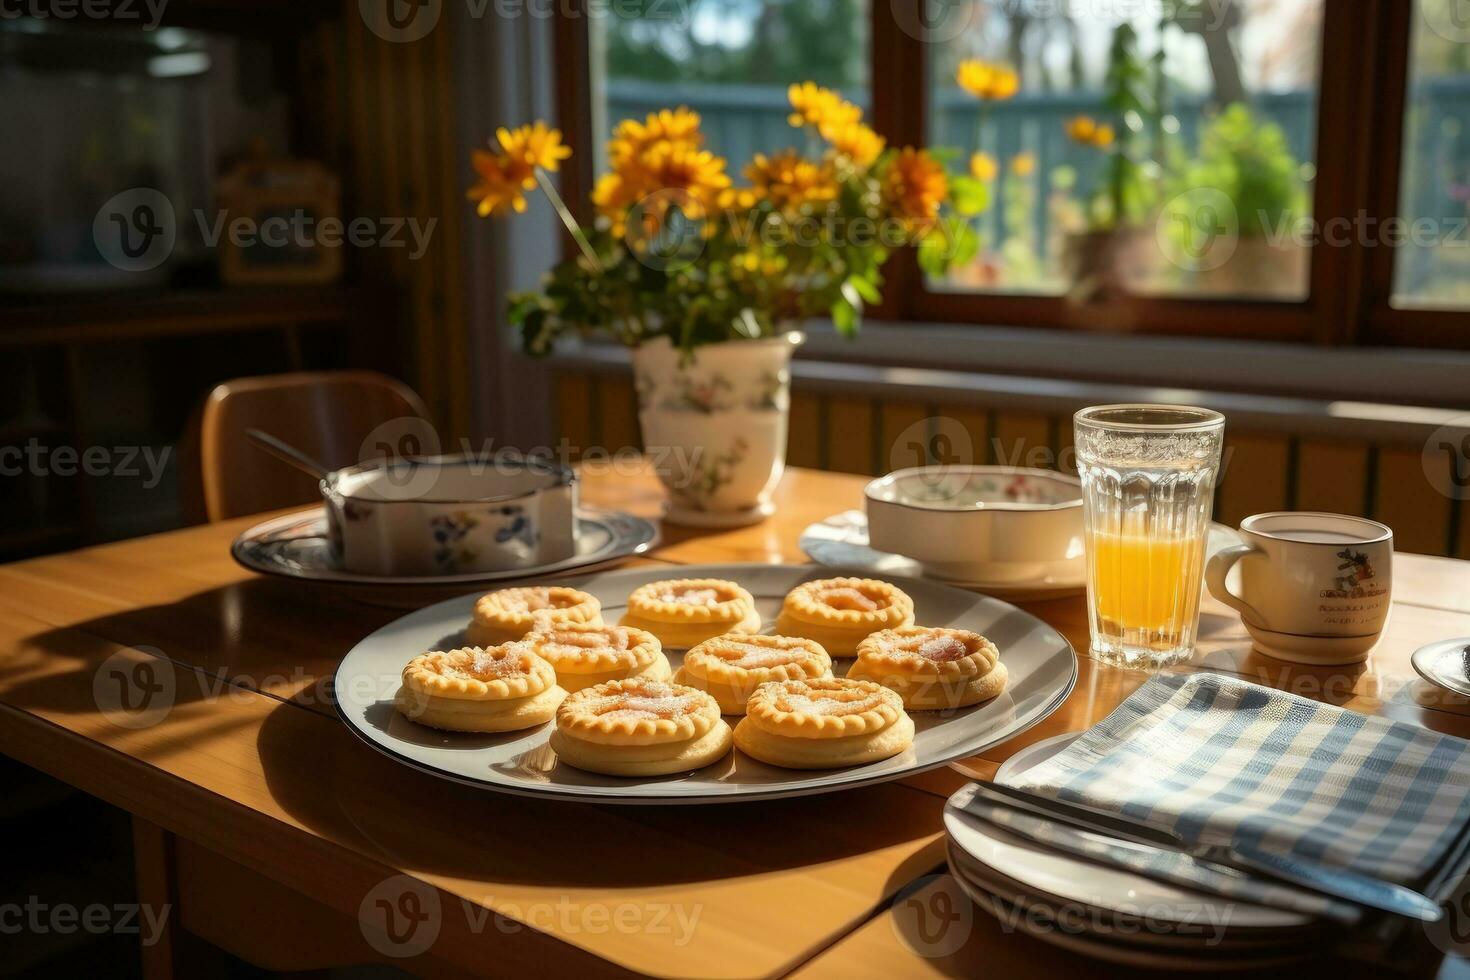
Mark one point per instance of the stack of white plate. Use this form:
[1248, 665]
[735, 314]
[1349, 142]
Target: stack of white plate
[1112, 914]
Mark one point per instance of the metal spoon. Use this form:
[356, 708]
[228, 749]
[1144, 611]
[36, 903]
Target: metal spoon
[289, 454]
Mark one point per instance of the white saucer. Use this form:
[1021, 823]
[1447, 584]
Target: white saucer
[296, 546]
[842, 539]
[1445, 664]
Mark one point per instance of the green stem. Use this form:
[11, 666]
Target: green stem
[566, 218]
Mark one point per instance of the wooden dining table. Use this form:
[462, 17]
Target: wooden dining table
[162, 677]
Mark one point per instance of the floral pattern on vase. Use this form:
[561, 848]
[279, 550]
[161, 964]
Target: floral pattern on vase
[714, 421]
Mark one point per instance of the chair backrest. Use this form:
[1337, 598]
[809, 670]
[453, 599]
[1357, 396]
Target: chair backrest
[326, 414]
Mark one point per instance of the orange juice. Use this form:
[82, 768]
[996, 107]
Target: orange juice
[1148, 585]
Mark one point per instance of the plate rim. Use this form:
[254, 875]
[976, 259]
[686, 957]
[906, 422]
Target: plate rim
[650, 530]
[755, 794]
[1418, 659]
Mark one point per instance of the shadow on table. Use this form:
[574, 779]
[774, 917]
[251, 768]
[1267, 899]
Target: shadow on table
[344, 790]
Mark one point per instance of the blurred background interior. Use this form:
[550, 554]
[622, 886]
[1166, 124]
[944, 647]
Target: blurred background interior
[1338, 343]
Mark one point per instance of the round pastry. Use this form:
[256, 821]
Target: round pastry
[500, 689]
[639, 727]
[732, 666]
[510, 614]
[839, 612]
[686, 611]
[823, 723]
[588, 655]
[932, 667]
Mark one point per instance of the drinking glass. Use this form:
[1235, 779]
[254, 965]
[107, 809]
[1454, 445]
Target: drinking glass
[1148, 483]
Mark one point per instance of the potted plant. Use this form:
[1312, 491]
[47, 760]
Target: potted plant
[1232, 224]
[705, 280]
[1108, 255]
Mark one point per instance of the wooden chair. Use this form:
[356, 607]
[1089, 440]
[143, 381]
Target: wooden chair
[326, 414]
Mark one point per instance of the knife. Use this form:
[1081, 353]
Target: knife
[1339, 883]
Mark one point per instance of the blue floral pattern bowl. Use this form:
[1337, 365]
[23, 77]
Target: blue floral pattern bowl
[448, 515]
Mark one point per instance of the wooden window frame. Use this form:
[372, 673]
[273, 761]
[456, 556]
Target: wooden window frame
[1362, 91]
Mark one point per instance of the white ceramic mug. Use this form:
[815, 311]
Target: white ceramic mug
[1312, 588]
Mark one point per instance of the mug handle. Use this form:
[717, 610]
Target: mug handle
[1219, 566]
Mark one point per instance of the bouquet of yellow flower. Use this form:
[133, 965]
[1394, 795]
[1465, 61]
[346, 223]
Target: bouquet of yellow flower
[679, 250]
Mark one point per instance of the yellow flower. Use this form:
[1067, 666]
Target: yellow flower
[983, 167]
[1089, 132]
[632, 138]
[791, 182]
[855, 141]
[1023, 164]
[738, 199]
[914, 187]
[987, 81]
[812, 105]
[528, 147]
[499, 188]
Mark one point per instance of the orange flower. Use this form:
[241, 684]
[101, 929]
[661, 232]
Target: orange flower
[984, 80]
[1089, 132]
[498, 188]
[914, 187]
[632, 139]
[1023, 164]
[812, 105]
[855, 141]
[529, 147]
[791, 182]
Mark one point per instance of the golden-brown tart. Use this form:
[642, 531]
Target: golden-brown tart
[839, 612]
[588, 655]
[732, 666]
[823, 723]
[684, 612]
[932, 667]
[509, 614]
[640, 727]
[499, 689]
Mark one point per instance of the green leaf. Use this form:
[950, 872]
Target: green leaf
[968, 195]
[844, 316]
[865, 288]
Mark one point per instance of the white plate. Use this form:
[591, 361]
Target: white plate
[842, 539]
[295, 546]
[1076, 880]
[1446, 664]
[1041, 665]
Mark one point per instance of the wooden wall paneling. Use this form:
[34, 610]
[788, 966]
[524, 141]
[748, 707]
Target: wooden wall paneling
[1254, 476]
[574, 410]
[617, 409]
[804, 441]
[1330, 476]
[1022, 439]
[1407, 502]
[1462, 546]
[976, 425]
[435, 377]
[904, 430]
[850, 434]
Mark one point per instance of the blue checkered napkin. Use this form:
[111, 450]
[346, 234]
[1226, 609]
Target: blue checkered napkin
[1217, 760]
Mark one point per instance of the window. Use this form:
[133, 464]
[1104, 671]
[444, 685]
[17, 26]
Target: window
[1166, 152]
[1222, 167]
[1432, 267]
[729, 60]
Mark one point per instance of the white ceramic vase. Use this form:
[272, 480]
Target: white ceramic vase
[714, 423]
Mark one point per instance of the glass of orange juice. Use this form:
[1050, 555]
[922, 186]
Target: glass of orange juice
[1148, 483]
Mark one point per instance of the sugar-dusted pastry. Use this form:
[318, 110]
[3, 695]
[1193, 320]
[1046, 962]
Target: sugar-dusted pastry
[932, 667]
[683, 612]
[510, 614]
[823, 723]
[639, 727]
[839, 612]
[588, 655]
[499, 689]
[732, 666]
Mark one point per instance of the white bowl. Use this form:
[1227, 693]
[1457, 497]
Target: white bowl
[980, 523]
